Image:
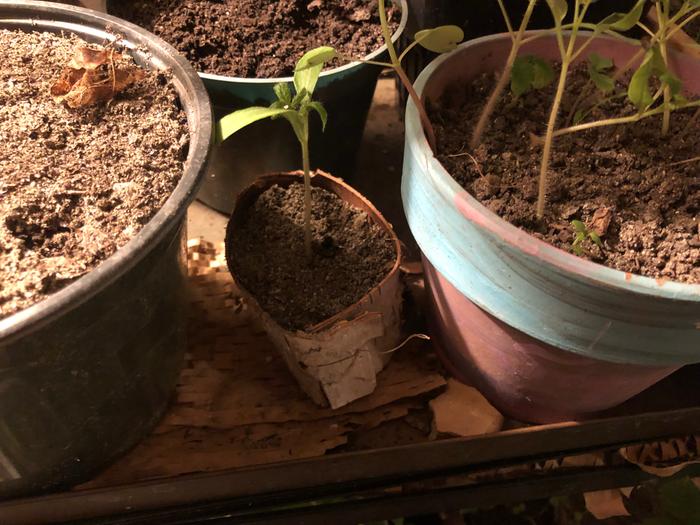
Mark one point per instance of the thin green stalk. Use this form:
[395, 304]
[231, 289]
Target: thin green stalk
[506, 19]
[306, 162]
[486, 113]
[556, 104]
[396, 64]
[663, 27]
[620, 120]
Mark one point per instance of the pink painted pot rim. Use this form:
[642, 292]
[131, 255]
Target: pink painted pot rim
[556, 258]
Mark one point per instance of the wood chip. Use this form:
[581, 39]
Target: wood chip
[463, 411]
[604, 504]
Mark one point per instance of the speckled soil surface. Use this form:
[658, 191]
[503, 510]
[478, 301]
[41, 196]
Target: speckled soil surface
[639, 191]
[75, 184]
[351, 255]
[257, 38]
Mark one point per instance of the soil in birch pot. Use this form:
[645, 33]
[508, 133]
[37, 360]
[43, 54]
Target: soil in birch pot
[76, 184]
[351, 255]
[626, 182]
[258, 38]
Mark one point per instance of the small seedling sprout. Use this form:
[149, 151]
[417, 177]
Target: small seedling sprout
[295, 108]
[581, 235]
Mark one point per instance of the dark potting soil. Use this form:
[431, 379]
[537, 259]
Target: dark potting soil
[626, 182]
[75, 184]
[257, 38]
[351, 255]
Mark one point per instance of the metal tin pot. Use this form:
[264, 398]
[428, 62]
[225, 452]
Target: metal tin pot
[545, 335]
[86, 373]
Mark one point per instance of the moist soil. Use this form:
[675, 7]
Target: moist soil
[351, 255]
[258, 38]
[75, 184]
[626, 182]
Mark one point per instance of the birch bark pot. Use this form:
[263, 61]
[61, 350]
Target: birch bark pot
[545, 335]
[86, 373]
[336, 361]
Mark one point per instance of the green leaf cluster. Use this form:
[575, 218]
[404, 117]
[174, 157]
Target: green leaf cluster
[652, 67]
[598, 68]
[530, 72]
[581, 235]
[295, 108]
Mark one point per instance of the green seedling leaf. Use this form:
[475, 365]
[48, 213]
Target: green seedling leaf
[299, 98]
[529, 72]
[638, 90]
[543, 73]
[623, 21]
[673, 82]
[599, 63]
[521, 76]
[309, 67]
[578, 226]
[559, 9]
[318, 108]
[597, 68]
[603, 82]
[238, 120]
[283, 93]
[440, 39]
[578, 117]
[595, 238]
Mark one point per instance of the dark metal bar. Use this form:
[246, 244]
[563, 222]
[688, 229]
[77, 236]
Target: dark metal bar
[351, 472]
[392, 506]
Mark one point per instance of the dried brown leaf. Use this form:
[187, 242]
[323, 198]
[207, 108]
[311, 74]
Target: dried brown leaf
[94, 76]
[600, 222]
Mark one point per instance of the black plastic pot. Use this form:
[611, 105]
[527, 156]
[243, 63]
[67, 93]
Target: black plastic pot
[86, 373]
[270, 146]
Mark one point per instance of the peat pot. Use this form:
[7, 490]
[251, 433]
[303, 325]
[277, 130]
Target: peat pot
[269, 146]
[86, 373]
[543, 334]
[337, 360]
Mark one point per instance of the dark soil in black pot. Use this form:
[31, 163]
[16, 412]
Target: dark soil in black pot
[257, 38]
[78, 183]
[351, 255]
[627, 181]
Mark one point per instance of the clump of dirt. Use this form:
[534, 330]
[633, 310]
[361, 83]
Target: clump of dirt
[626, 182]
[258, 38]
[77, 183]
[352, 255]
